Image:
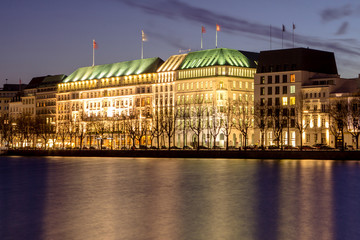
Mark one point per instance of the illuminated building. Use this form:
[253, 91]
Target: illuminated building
[6, 94]
[294, 87]
[218, 80]
[91, 96]
[142, 90]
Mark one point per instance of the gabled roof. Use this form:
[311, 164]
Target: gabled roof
[139, 66]
[35, 82]
[218, 57]
[52, 80]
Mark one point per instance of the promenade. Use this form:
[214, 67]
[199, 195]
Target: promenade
[235, 154]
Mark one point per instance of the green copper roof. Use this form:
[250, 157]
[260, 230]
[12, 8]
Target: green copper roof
[217, 57]
[140, 66]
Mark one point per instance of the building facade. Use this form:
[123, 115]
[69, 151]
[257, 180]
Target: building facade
[150, 102]
[293, 88]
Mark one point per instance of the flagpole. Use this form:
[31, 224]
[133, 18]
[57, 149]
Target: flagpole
[93, 64]
[201, 39]
[216, 39]
[293, 37]
[270, 36]
[282, 36]
[142, 48]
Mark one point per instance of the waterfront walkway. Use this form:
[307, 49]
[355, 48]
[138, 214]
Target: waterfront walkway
[249, 154]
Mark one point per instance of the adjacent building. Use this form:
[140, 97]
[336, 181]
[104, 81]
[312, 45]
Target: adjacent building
[293, 87]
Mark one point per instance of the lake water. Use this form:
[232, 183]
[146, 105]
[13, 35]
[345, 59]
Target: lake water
[176, 199]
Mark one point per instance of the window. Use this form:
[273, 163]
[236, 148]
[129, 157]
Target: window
[292, 112]
[323, 108]
[292, 78]
[284, 101]
[292, 100]
[307, 137]
[262, 101]
[315, 107]
[277, 101]
[262, 91]
[277, 90]
[277, 78]
[284, 89]
[269, 101]
[284, 78]
[262, 80]
[292, 89]
[269, 79]
[269, 90]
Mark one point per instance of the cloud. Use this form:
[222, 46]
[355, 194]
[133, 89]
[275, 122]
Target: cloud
[170, 39]
[330, 14]
[175, 9]
[343, 28]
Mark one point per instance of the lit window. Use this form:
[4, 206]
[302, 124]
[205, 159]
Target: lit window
[292, 89]
[234, 96]
[292, 100]
[292, 78]
[284, 101]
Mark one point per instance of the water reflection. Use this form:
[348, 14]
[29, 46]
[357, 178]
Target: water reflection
[123, 198]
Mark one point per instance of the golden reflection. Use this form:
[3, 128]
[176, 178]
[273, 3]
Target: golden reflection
[306, 197]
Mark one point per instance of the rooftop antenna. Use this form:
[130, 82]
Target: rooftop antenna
[185, 50]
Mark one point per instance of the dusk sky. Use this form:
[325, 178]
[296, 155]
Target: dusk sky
[46, 37]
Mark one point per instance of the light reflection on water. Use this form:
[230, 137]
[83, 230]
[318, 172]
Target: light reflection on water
[123, 198]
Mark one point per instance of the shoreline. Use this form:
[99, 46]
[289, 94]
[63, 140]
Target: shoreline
[233, 154]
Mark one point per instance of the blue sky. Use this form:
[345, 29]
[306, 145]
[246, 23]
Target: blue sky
[44, 37]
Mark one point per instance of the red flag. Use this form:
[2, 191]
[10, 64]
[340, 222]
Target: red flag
[218, 27]
[203, 30]
[95, 46]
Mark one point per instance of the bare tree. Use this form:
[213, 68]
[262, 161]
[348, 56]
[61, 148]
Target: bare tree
[7, 130]
[63, 132]
[261, 119]
[197, 113]
[156, 125]
[300, 124]
[214, 123]
[183, 120]
[276, 122]
[353, 126]
[131, 125]
[338, 113]
[227, 115]
[243, 111]
[169, 123]
[23, 128]
[101, 128]
[44, 128]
